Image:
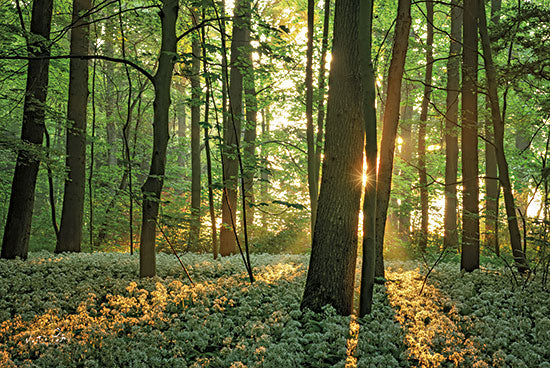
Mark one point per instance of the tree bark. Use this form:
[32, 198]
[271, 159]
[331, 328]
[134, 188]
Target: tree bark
[110, 95]
[195, 225]
[407, 150]
[470, 219]
[331, 273]
[153, 185]
[450, 238]
[369, 203]
[70, 229]
[498, 124]
[389, 128]
[422, 175]
[15, 242]
[232, 131]
[313, 184]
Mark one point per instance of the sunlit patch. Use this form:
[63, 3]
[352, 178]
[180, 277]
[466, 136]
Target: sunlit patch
[434, 337]
[351, 343]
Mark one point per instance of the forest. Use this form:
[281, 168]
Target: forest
[297, 183]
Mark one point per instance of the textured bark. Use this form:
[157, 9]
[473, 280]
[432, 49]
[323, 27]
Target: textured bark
[469, 260]
[450, 238]
[15, 242]
[312, 181]
[389, 128]
[232, 131]
[249, 128]
[153, 185]
[515, 237]
[330, 278]
[422, 175]
[194, 229]
[369, 203]
[70, 229]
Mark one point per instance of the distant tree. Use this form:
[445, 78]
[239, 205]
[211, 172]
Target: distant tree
[15, 242]
[422, 174]
[152, 187]
[70, 229]
[331, 273]
[469, 260]
[450, 238]
[389, 126]
[194, 231]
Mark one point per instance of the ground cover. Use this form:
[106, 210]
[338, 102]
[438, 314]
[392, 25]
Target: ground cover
[91, 310]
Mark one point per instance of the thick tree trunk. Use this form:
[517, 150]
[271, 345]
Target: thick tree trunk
[492, 186]
[70, 229]
[195, 225]
[369, 203]
[470, 219]
[515, 237]
[389, 129]
[153, 185]
[15, 242]
[422, 175]
[331, 273]
[313, 184]
[450, 239]
[232, 131]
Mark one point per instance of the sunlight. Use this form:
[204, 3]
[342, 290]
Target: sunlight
[433, 147]
[431, 321]
[351, 342]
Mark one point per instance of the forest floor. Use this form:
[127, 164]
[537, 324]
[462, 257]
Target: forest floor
[91, 310]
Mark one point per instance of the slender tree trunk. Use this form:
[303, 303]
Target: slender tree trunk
[182, 128]
[407, 148]
[15, 242]
[470, 219]
[389, 129]
[450, 239]
[250, 128]
[369, 203]
[110, 95]
[310, 133]
[264, 163]
[515, 237]
[70, 230]
[422, 175]
[232, 131]
[331, 273]
[194, 230]
[153, 185]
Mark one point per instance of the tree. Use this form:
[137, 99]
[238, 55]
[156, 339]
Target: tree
[369, 201]
[330, 278]
[194, 231]
[152, 187]
[15, 242]
[469, 260]
[232, 132]
[389, 126]
[450, 238]
[70, 229]
[423, 180]
[498, 124]
[312, 181]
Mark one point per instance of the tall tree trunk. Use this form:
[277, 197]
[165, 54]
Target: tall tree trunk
[153, 185]
[389, 128]
[232, 131]
[264, 170]
[470, 219]
[249, 128]
[450, 239]
[70, 229]
[515, 237]
[369, 203]
[110, 95]
[331, 273]
[194, 230]
[422, 175]
[310, 133]
[182, 128]
[15, 242]
[407, 148]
